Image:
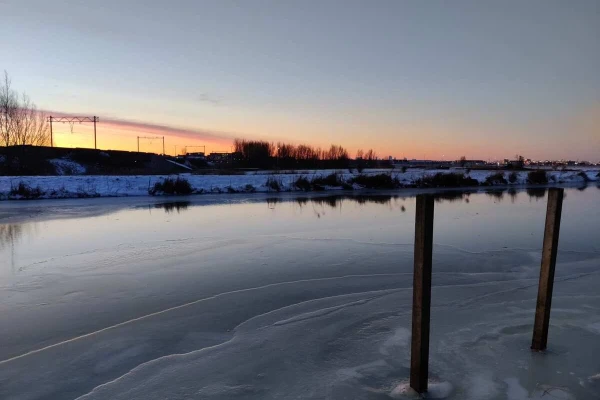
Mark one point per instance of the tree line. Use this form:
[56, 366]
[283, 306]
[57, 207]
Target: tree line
[21, 122]
[264, 154]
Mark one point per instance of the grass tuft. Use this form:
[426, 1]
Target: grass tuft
[25, 191]
[495, 179]
[302, 183]
[537, 177]
[171, 186]
[584, 176]
[379, 181]
[329, 180]
[273, 184]
[447, 180]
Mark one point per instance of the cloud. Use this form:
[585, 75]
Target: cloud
[207, 98]
[157, 129]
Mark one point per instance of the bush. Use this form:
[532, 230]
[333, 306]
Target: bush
[446, 180]
[302, 183]
[329, 180]
[537, 177]
[495, 179]
[273, 184]
[249, 188]
[584, 176]
[403, 169]
[26, 191]
[171, 186]
[380, 181]
[512, 177]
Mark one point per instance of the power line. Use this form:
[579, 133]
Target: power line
[72, 119]
[150, 138]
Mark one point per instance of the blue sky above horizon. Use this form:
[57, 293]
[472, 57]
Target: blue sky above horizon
[408, 78]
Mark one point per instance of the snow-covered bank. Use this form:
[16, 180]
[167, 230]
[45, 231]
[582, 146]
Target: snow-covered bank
[140, 185]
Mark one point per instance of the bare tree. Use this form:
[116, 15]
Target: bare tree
[20, 121]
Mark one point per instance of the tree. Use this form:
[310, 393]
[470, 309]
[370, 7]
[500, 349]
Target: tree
[463, 161]
[20, 121]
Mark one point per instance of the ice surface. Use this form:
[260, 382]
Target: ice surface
[305, 299]
[331, 348]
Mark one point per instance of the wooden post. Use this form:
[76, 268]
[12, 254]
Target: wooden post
[549, 251]
[419, 358]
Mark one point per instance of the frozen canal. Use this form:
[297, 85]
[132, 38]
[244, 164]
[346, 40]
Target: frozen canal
[249, 297]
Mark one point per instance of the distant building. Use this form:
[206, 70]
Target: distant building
[198, 155]
[471, 163]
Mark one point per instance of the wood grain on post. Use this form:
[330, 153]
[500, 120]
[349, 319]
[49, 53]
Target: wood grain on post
[419, 361]
[549, 251]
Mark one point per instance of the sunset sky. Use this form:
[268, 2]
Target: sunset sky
[416, 79]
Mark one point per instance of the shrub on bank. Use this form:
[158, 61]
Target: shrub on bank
[26, 192]
[273, 184]
[329, 180]
[512, 177]
[538, 177]
[379, 181]
[171, 186]
[495, 179]
[302, 183]
[584, 176]
[446, 180]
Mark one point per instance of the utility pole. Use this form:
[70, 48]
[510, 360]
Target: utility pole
[51, 143]
[95, 119]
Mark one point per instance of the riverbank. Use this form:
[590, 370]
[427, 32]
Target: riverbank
[86, 186]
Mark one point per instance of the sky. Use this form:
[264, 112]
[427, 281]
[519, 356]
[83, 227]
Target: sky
[416, 79]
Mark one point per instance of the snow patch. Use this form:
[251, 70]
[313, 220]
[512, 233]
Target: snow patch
[435, 390]
[399, 339]
[67, 167]
[138, 185]
[517, 392]
[481, 386]
[594, 327]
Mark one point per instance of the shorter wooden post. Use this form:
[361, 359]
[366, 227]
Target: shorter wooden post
[549, 251]
[419, 357]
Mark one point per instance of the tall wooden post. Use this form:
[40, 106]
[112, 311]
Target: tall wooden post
[419, 358]
[549, 251]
